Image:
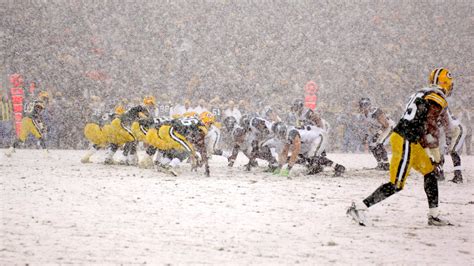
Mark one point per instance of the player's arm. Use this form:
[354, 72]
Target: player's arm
[382, 119]
[283, 156]
[201, 145]
[253, 154]
[238, 139]
[386, 126]
[434, 113]
[444, 120]
[430, 141]
[295, 151]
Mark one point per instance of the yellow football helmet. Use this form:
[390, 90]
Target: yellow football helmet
[207, 118]
[119, 110]
[442, 78]
[43, 96]
[149, 101]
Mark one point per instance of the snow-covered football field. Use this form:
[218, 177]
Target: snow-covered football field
[56, 210]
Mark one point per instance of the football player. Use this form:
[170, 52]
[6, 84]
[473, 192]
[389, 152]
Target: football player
[178, 139]
[305, 116]
[455, 133]
[213, 136]
[251, 138]
[379, 127]
[415, 144]
[97, 130]
[307, 147]
[122, 133]
[32, 123]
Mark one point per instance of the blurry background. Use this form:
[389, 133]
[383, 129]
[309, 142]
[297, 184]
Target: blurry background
[263, 52]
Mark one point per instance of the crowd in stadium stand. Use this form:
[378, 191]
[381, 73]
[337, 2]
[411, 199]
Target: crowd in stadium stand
[255, 54]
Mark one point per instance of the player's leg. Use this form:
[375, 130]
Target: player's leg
[468, 142]
[457, 167]
[132, 157]
[399, 169]
[147, 160]
[422, 163]
[380, 154]
[314, 152]
[96, 137]
[92, 150]
[109, 155]
[254, 150]
[318, 159]
[455, 150]
[265, 153]
[26, 128]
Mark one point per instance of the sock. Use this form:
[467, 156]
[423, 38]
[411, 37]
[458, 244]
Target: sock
[384, 191]
[431, 189]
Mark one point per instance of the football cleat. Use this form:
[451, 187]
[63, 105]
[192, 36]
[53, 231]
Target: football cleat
[438, 221]
[383, 167]
[9, 152]
[146, 162]
[457, 177]
[357, 214]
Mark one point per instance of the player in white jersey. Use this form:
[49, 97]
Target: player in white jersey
[213, 140]
[250, 138]
[455, 133]
[307, 146]
[378, 129]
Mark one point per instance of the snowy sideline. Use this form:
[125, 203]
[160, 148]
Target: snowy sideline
[57, 210]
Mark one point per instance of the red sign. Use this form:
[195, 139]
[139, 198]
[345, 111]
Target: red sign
[310, 97]
[17, 100]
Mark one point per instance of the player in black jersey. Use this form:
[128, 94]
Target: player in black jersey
[32, 123]
[415, 144]
[122, 132]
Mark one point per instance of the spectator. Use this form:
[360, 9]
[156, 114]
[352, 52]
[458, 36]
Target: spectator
[201, 107]
[6, 121]
[179, 110]
[232, 111]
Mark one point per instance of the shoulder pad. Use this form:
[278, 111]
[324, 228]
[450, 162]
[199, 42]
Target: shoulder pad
[437, 98]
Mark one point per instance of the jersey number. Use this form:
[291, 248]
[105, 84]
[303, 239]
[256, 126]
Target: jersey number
[189, 121]
[411, 108]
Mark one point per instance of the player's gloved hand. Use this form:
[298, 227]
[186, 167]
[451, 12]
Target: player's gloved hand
[434, 154]
[437, 161]
[285, 172]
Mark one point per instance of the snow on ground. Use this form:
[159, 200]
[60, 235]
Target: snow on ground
[57, 210]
